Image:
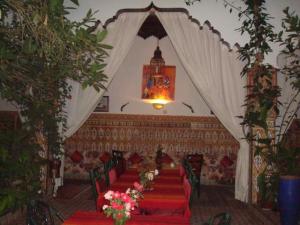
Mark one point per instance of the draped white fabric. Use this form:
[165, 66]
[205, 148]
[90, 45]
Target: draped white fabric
[215, 72]
[121, 34]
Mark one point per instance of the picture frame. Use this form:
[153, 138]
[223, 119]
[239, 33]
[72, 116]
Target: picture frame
[103, 105]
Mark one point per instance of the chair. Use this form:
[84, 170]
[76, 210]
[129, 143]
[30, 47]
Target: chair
[195, 162]
[219, 219]
[119, 162]
[98, 181]
[40, 213]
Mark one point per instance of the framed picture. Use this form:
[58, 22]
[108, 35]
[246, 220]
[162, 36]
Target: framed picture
[160, 85]
[103, 105]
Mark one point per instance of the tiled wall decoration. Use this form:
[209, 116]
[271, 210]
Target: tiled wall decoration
[179, 135]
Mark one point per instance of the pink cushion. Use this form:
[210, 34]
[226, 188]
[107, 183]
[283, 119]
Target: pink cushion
[112, 176]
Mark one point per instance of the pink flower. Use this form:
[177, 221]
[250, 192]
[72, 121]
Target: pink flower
[108, 195]
[116, 206]
[138, 186]
[126, 198]
[127, 206]
[117, 194]
[104, 207]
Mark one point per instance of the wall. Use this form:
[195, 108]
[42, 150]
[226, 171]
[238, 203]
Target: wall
[210, 10]
[179, 136]
[126, 85]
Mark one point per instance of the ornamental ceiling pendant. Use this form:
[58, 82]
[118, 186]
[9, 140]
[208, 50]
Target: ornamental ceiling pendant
[158, 83]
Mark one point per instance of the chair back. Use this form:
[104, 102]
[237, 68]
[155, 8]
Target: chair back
[97, 177]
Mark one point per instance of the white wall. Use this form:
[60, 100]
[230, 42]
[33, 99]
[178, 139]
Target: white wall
[6, 106]
[210, 10]
[126, 85]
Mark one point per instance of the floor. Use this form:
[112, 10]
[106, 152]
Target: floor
[212, 200]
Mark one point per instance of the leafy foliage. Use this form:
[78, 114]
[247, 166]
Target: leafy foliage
[40, 51]
[261, 102]
[19, 169]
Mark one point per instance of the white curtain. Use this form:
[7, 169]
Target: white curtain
[289, 98]
[121, 34]
[215, 72]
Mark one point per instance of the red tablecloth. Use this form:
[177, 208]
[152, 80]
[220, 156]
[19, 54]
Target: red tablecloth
[96, 218]
[158, 179]
[167, 196]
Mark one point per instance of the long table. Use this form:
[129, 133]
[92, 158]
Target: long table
[168, 195]
[97, 218]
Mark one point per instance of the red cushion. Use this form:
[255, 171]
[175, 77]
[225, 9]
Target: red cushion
[166, 159]
[76, 157]
[112, 176]
[226, 161]
[135, 158]
[105, 157]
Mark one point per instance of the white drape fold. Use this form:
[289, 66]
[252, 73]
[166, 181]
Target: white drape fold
[121, 34]
[215, 72]
[289, 98]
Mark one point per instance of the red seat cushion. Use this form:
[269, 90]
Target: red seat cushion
[105, 157]
[135, 158]
[166, 159]
[76, 157]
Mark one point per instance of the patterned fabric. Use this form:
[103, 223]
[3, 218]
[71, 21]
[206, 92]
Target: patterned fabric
[178, 135]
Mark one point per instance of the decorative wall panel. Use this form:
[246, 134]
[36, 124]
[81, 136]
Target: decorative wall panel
[179, 135]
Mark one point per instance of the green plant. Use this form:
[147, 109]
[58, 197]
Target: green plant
[19, 169]
[40, 50]
[262, 101]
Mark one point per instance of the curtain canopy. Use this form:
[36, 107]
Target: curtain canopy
[212, 67]
[215, 72]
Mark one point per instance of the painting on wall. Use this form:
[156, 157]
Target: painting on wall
[103, 105]
[158, 84]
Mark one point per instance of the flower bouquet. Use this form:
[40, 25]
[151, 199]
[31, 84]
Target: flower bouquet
[147, 177]
[121, 205]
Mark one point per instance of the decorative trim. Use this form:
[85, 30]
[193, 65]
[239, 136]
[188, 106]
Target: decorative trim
[152, 8]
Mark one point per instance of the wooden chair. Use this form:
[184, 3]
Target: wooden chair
[40, 213]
